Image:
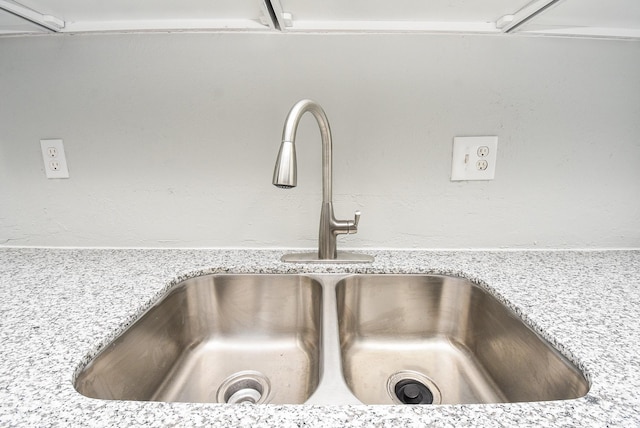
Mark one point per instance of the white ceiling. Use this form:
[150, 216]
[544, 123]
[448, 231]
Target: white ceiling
[114, 15]
[443, 15]
[588, 17]
[402, 10]
[12, 24]
[621, 17]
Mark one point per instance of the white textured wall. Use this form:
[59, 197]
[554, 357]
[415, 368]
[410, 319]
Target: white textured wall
[171, 139]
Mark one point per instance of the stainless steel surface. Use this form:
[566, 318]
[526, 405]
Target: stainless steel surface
[285, 176]
[329, 339]
[212, 332]
[472, 347]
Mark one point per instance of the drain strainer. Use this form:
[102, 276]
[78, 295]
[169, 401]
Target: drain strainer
[411, 387]
[244, 387]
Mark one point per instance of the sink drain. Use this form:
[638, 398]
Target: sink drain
[411, 387]
[244, 387]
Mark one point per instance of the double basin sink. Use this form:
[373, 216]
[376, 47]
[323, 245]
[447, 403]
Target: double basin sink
[330, 339]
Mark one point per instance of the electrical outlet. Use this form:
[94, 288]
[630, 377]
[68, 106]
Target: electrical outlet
[52, 152]
[474, 158]
[482, 165]
[483, 151]
[55, 162]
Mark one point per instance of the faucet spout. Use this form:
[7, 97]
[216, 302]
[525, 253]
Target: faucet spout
[289, 137]
[285, 176]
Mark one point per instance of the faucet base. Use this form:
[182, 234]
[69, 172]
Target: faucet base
[343, 257]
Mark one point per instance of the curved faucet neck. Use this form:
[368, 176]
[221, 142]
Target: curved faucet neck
[289, 134]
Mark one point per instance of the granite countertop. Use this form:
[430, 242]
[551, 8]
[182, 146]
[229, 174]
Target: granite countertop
[58, 307]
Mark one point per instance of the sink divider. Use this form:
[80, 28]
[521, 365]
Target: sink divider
[332, 382]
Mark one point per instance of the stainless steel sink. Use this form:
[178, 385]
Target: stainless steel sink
[441, 339]
[330, 339]
[217, 338]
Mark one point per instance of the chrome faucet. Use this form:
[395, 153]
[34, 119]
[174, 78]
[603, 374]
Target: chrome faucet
[285, 176]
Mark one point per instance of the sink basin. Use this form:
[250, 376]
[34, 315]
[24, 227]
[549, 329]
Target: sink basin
[217, 338]
[441, 339]
[330, 339]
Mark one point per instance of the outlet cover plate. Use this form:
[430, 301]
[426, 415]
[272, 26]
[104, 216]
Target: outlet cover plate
[474, 158]
[55, 162]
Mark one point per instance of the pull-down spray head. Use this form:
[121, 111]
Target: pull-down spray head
[285, 174]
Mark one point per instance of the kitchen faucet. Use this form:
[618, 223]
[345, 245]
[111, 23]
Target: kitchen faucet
[285, 177]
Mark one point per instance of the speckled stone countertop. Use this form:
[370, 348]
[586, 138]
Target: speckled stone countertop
[58, 307]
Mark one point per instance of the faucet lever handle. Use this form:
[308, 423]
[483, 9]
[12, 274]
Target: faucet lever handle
[356, 220]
